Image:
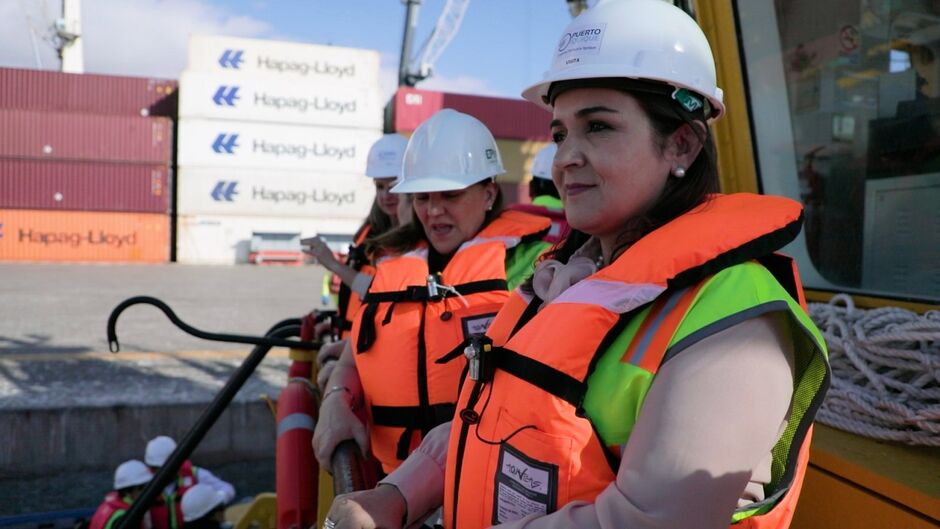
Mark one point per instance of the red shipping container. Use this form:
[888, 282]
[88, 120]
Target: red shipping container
[80, 236]
[86, 93]
[54, 136]
[511, 119]
[85, 186]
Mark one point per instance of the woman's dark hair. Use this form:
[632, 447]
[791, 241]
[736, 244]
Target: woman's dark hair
[406, 236]
[679, 194]
[378, 221]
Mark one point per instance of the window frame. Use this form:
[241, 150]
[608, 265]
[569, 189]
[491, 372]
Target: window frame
[736, 140]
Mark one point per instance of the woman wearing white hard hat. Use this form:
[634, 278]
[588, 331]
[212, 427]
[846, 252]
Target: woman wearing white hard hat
[203, 508]
[167, 510]
[130, 479]
[659, 370]
[439, 279]
[383, 166]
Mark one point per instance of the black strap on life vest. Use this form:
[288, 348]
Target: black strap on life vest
[420, 292]
[540, 375]
[414, 294]
[412, 419]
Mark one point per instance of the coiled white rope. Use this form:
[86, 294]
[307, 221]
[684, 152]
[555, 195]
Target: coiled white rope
[885, 371]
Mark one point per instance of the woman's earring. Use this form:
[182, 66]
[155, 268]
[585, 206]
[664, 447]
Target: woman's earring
[679, 171]
[490, 207]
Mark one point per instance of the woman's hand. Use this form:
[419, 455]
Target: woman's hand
[326, 361]
[337, 423]
[320, 251]
[380, 508]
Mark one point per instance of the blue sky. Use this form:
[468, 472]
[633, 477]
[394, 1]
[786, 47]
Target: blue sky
[502, 46]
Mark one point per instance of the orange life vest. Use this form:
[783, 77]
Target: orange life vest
[348, 302]
[405, 335]
[112, 508]
[523, 442]
[559, 227]
[167, 510]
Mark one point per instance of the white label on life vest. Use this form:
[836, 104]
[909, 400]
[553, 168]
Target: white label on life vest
[477, 324]
[523, 486]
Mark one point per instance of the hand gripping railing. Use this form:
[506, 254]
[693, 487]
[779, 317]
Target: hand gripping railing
[348, 469]
[275, 337]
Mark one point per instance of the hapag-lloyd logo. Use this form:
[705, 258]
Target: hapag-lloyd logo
[76, 239]
[300, 198]
[306, 68]
[584, 40]
[303, 104]
[303, 150]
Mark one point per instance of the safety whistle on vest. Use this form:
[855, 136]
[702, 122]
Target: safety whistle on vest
[433, 287]
[479, 358]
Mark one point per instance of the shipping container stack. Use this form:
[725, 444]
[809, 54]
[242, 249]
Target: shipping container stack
[273, 139]
[85, 167]
[521, 129]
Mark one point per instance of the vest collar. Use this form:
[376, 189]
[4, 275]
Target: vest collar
[724, 231]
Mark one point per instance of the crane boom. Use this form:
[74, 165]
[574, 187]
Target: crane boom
[448, 24]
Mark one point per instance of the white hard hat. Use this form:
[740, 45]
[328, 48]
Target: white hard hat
[131, 473]
[447, 152]
[200, 500]
[158, 450]
[542, 164]
[385, 156]
[636, 39]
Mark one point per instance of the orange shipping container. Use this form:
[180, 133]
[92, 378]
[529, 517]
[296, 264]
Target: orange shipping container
[82, 236]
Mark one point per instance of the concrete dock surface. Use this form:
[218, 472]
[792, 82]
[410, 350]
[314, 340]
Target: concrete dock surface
[72, 411]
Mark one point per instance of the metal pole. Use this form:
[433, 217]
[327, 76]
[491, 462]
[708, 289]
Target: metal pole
[70, 33]
[411, 22]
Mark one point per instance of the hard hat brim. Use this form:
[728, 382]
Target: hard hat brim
[431, 185]
[382, 174]
[538, 92]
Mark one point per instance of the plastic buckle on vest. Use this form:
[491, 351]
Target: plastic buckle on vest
[479, 358]
[434, 284]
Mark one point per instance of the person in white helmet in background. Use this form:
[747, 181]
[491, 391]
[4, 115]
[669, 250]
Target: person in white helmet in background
[130, 479]
[660, 369]
[203, 508]
[544, 195]
[439, 279]
[166, 511]
[383, 166]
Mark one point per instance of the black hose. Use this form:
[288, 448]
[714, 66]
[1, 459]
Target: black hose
[217, 337]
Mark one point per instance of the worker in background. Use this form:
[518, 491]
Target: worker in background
[439, 279]
[382, 165]
[166, 511]
[203, 508]
[659, 370]
[544, 194]
[330, 352]
[130, 479]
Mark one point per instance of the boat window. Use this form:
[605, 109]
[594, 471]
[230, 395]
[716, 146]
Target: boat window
[844, 101]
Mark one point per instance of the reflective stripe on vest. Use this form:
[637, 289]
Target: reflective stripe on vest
[536, 439]
[167, 510]
[110, 510]
[402, 329]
